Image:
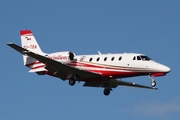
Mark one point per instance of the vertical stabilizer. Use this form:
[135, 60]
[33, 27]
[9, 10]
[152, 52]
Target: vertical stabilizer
[29, 42]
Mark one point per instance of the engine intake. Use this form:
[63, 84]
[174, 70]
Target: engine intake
[71, 56]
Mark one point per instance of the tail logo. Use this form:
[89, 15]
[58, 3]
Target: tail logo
[27, 38]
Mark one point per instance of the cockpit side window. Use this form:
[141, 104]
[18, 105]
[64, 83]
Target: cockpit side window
[134, 58]
[145, 58]
[138, 58]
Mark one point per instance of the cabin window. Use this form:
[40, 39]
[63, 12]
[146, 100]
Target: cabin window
[105, 58]
[138, 58]
[90, 59]
[98, 59]
[120, 58]
[112, 58]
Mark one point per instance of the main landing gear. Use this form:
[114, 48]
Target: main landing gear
[107, 90]
[153, 82]
[72, 82]
[72, 79]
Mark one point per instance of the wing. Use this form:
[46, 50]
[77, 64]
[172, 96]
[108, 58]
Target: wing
[113, 83]
[55, 67]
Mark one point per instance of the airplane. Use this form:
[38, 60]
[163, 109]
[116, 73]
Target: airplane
[96, 70]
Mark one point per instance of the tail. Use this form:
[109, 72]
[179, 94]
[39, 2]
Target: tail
[29, 42]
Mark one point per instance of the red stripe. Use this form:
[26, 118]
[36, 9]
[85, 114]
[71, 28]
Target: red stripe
[107, 72]
[128, 72]
[26, 32]
[158, 74]
[42, 66]
[104, 66]
[37, 62]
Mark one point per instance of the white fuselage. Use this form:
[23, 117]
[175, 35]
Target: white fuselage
[117, 65]
[110, 65]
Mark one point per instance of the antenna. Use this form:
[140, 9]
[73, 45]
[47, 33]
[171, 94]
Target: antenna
[99, 52]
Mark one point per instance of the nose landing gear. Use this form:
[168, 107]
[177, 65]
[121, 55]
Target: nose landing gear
[153, 82]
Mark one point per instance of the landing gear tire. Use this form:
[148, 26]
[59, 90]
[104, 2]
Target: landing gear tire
[153, 84]
[106, 92]
[72, 82]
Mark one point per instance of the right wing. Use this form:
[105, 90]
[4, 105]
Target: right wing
[113, 83]
[57, 68]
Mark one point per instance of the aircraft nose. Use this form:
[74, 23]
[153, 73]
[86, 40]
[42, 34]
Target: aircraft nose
[165, 69]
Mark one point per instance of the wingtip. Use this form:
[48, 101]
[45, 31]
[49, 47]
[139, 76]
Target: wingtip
[9, 43]
[155, 88]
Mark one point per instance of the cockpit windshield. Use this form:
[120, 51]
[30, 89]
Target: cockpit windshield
[145, 58]
[142, 57]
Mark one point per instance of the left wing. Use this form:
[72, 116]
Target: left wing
[55, 66]
[113, 83]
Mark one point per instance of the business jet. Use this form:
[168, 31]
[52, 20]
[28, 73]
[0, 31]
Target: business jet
[97, 70]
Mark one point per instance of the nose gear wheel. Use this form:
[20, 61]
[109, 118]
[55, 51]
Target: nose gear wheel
[153, 84]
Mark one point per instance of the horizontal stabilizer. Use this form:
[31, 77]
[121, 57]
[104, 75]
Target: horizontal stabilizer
[37, 70]
[18, 48]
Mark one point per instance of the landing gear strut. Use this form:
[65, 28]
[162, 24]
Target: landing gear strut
[153, 82]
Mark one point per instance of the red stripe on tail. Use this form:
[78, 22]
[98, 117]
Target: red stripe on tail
[26, 32]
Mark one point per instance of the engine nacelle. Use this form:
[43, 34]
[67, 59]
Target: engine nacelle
[64, 57]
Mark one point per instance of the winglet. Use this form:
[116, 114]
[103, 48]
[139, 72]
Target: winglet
[154, 88]
[9, 43]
